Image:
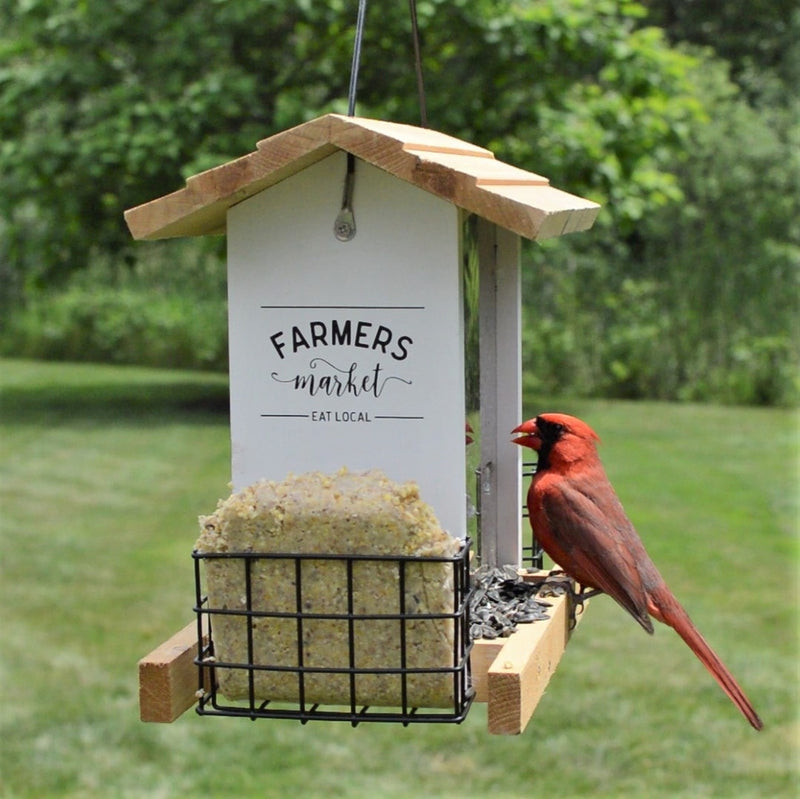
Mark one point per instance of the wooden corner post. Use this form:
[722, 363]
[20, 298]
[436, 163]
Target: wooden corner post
[500, 393]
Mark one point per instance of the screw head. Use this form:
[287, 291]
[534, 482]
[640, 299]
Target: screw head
[344, 228]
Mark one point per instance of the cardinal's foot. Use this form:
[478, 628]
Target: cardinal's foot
[577, 599]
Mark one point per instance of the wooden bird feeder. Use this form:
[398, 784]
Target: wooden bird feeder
[349, 349]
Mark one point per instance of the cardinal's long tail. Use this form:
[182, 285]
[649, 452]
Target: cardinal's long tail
[668, 610]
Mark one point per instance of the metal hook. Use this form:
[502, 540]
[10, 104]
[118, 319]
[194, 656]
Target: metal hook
[344, 228]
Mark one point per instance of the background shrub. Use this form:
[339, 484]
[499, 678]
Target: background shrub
[164, 313]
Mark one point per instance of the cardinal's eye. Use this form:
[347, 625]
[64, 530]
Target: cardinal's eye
[552, 431]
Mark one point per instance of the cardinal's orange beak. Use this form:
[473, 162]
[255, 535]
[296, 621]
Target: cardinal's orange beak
[527, 435]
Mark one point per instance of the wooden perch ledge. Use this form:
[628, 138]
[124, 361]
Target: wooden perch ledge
[509, 674]
[168, 678]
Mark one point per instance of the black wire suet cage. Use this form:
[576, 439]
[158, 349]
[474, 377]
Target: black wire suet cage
[397, 669]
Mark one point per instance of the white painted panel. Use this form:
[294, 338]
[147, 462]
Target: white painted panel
[348, 354]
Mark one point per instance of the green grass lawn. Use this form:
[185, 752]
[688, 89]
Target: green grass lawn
[103, 472]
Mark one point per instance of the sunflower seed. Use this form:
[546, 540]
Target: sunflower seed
[501, 600]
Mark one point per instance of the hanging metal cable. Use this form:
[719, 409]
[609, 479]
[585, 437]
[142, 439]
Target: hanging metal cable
[344, 226]
[351, 94]
[423, 112]
[356, 62]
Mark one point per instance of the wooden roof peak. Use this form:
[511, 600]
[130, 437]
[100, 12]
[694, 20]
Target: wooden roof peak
[459, 172]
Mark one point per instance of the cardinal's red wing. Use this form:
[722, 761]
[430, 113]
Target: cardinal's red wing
[594, 532]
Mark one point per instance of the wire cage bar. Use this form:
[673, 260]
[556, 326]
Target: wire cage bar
[354, 670]
[532, 552]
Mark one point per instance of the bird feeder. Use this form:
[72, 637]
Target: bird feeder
[345, 259]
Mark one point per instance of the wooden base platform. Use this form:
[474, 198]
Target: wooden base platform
[509, 674]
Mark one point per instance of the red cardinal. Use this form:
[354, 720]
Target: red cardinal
[580, 523]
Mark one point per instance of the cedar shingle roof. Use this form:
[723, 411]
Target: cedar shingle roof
[462, 173]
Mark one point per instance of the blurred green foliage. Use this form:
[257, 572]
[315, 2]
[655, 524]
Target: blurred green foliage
[158, 313]
[680, 118]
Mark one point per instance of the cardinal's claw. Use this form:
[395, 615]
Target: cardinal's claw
[578, 598]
